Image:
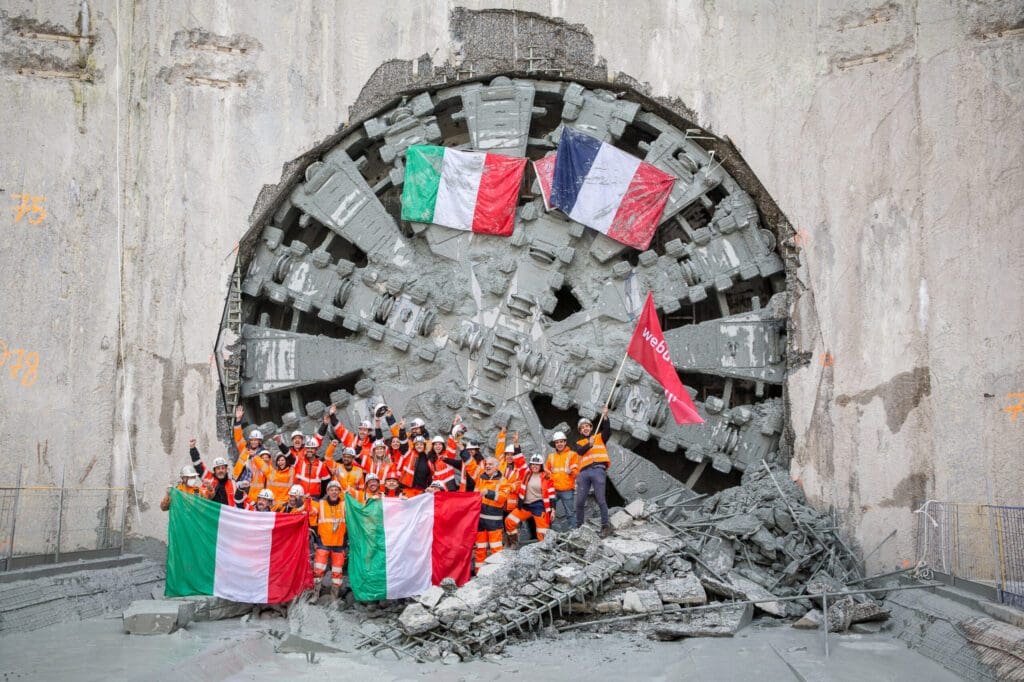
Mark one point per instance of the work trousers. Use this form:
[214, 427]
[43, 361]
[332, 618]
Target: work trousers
[565, 510]
[591, 478]
[535, 510]
[488, 538]
[337, 557]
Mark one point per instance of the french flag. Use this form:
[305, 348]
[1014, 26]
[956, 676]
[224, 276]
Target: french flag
[605, 188]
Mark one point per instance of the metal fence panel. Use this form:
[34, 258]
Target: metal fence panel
[46, 522]
[976, 542]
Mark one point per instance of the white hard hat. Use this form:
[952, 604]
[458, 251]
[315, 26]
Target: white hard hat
[349, 451]
[419, 439]
[333, 484]
[379, 444]
[458, 429]
[220, 462]
[436, 484]
[472, 445]
[417, 422]
[582, 421]
[365, 424]
[265, 495]
[297, 491]
[510, 448]
[256, 433]
[537, 459]
[262, 451]
[311, 442]
[438, 439]
[558, 435]
[371, 477]
[298, 433]
[188, 471]
[380, 409]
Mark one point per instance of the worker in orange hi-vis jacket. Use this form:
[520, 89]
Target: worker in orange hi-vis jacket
[347, 472]
[371, 489]
[189, 484]
[393, 485]
[279, 478]
[298, 502]
[311, 473]
[327, 519]
[361, 440]
[562, 465]
[534, 498]
[513, 464]
[493, 488]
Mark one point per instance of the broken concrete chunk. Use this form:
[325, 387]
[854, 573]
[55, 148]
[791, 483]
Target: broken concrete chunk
[718, 555]
[811, 620]
[840, 614]
[620, 520]
[568, 574]
[207, 608]
[751, 590]
[156, 617]
[635, 553]
[686, 590]
[431, 597]
[724, 622]
[868, 612]
[416, 619]
[451, 609]
[475, 594]
[641, 601]
[741, 525]
[635, 508]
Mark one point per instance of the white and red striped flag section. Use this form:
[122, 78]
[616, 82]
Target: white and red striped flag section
[473, 191]
[245, 556]
[648, 347]
[399, 548]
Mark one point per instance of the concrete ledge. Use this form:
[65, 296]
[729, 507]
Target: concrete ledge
[42, 571]
[156, 617]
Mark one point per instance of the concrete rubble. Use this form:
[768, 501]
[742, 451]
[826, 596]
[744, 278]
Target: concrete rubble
[156, 617]
[666, 571]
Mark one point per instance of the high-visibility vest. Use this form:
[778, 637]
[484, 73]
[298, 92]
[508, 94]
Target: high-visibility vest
[512, 474]
[597, 454]
[440, 471]
[309, 473]
[350, 481]
[257, 479]
[279, 482]
[563, 467]
[329, 521]
[491, 510]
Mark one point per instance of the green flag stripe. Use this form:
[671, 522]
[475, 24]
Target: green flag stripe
[422, 178]
[367, 560]
[191, 545]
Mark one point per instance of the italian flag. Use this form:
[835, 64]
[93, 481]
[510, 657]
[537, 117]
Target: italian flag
[466, 190]
[244, 556]
[399, 548]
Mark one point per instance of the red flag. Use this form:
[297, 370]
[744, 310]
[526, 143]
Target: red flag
[648, 347]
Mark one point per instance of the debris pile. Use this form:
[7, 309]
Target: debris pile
[704, 569]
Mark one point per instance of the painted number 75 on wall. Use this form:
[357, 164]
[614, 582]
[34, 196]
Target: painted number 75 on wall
[20, 362]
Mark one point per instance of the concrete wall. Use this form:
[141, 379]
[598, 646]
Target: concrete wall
[889, 134]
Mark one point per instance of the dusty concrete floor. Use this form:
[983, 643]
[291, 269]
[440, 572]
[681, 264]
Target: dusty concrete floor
[229, 650]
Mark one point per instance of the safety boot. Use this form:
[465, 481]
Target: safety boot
[316, 592]
[605, 531]
[335, 589]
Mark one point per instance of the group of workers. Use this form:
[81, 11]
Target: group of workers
[301, 477]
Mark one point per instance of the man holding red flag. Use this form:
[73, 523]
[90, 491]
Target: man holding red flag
[648, 348]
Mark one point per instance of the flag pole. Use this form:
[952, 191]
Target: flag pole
[612, 391]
